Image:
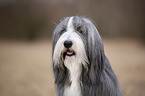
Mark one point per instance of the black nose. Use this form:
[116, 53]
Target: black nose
[68, 43]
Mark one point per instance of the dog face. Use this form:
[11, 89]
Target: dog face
[71, 42]
[76, 38]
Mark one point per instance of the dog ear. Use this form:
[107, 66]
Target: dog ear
[95, 54]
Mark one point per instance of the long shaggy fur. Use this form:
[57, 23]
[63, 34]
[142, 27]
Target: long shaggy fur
[91, 68]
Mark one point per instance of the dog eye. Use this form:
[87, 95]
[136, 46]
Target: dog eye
[79, 30]
[63, 30]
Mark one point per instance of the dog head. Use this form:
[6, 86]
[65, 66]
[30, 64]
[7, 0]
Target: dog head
[77, 38]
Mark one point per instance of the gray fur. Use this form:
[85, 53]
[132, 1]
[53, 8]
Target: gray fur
[97, 78]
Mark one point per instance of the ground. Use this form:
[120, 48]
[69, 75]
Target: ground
[26, 68]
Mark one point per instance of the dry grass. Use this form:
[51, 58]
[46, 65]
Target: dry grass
[26, 69]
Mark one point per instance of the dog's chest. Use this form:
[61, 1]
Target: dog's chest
[74, 68]
[73, 90]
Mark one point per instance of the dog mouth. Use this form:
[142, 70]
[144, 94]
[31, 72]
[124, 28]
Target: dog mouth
[68, 52]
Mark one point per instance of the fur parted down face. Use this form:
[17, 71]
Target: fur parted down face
[79, 63]
[83, 35]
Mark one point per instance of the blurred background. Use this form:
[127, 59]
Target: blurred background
[26, 28]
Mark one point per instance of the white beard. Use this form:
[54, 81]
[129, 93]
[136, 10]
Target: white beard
[74, 67]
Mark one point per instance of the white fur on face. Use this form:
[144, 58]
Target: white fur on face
[73, 63]
[78, 45]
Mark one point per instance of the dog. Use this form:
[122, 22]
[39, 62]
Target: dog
[79, 63]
